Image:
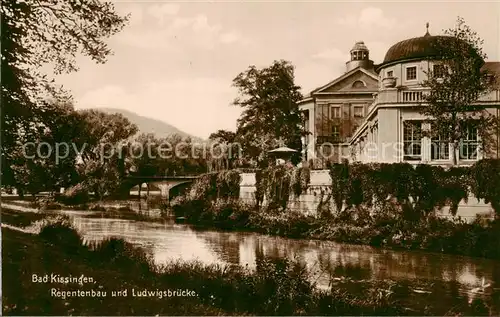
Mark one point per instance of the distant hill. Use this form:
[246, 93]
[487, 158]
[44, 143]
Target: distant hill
[148, 125]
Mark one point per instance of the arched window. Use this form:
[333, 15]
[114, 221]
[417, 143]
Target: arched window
[358, 84]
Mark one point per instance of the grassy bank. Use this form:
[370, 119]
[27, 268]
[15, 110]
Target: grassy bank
[102, 208]
[20, 219]
[480, 238]
[275, 288]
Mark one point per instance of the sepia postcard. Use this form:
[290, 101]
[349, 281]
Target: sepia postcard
[200, 158]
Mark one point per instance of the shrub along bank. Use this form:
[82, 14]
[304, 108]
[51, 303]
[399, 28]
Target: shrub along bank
[387, 205]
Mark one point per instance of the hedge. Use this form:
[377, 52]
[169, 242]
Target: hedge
[417, 190]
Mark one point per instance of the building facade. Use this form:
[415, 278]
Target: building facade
[335, 110]
[371, 113]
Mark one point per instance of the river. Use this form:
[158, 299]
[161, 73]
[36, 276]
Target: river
[435, 280]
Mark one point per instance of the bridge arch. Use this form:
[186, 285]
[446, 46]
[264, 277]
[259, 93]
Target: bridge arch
[170, 186]
[178, 190]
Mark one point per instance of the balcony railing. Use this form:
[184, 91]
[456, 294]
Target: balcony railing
[418, 95]
[412, 96]
[400, 96]
[328, 139]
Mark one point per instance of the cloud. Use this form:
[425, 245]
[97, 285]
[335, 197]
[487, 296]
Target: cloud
[162, 12]
[368, 18]
[197, 106]
[179, 33]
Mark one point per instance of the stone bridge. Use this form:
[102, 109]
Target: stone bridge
[169, 186]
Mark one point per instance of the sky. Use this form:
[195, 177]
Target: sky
[175, 61]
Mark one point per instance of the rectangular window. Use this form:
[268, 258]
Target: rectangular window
[358, 111]
[335, 114]
[411, 73]
[390, 73]
[438, 71]
[469, 146]
[412, 140]
[440, 148]
[336, 133]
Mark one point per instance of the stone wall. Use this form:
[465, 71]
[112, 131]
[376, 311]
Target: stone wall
[320, 181]
[307, 202]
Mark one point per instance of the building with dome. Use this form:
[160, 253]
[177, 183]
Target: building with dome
[370, 114]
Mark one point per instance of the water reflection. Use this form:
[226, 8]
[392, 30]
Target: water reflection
[439, 278]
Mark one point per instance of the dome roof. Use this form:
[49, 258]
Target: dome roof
[359, 46]
[415, 48]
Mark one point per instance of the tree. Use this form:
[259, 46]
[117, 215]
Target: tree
[269, 99]
[149, 163]
[49, 162]
[224, 150]
[456, 84]
[36, 33]
[223, 136]
[105, 150]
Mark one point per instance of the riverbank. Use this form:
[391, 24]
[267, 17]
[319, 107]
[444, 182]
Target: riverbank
[479, 238]
[18, 218]
[350, 281]
[387, 229]
[274, 288]
[132, 209]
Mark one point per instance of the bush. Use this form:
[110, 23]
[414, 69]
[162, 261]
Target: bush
[121, 254]
[93, 207]
[486, 182]
[45, 203]
[75, 195]
[58, 231]
[218, 185]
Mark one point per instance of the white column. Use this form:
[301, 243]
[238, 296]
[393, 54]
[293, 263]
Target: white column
[311, 151]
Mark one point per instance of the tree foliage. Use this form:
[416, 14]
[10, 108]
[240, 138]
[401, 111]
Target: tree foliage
[225, 152]
[37, 34]
[45, 159]
[211, 187]
[103, 157]
[277, 183]
[223, 136]
[269, 99]
[450, 104]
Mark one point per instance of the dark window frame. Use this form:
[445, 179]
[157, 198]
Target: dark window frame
[412, 140]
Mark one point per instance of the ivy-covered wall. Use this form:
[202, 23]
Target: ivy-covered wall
[314, 188]
[464, 191]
